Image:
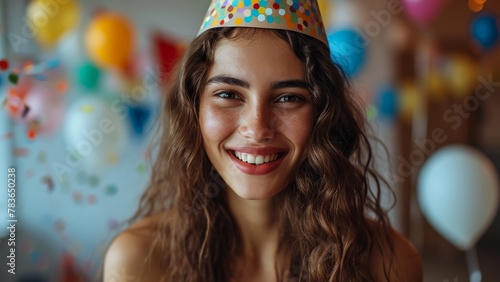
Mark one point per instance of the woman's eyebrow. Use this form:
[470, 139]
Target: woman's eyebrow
[292, 83]
[222, 79]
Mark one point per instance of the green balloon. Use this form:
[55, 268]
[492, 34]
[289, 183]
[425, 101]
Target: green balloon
[88, 76]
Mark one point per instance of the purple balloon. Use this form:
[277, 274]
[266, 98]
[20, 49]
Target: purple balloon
[423, 11]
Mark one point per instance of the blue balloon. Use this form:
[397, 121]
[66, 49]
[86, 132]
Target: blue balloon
[139, 116]
[348, 50]
[388, 102]
[485, 31]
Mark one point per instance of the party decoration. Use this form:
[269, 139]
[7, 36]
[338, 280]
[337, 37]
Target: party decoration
[47, 109]
[49, 20]
[70, 49]
[109, 40]
[423, 11]
[96, 132]
[462, 74]
[325, 7]
[4, 64]
[458, 193]
[13, 78]
[485, 31]
[437, 83]
[409, 101]
[111, 190]
[301, 16]
[88, 76]
[388, 102]
[347, 48]
[168, 52]
[139, 116]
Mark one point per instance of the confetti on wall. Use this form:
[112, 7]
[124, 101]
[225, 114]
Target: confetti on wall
[5, 136]
[19, 152]
[141, 168]
[77, 197]
[47, 180]
[111, 190]
[113, 224]
[4, 65]
[59, 225]
[29, 173]
[93, 180]
[92, 199]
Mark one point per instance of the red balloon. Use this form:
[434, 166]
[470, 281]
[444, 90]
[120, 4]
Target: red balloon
[423, 11]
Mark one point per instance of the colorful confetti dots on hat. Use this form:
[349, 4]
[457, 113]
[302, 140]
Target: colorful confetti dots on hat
[301, 16]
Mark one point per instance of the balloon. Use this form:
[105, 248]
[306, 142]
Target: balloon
[437, 84]
[409, 100]
[88, 76]
[325, 7]
[347, 50]
[463, 73]
[423, 11]
[69, 49]
[109, 40]
[485, 31]
[458, 193]
[46, 109]
[95, 133]
[387, 102]
[139, 116]
[49, 20]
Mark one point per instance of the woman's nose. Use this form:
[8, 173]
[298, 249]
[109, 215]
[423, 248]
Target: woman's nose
[258, 124]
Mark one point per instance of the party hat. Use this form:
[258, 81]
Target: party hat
[301, 16]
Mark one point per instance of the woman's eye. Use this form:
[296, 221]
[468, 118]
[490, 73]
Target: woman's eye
[290, 99]
[227, 95]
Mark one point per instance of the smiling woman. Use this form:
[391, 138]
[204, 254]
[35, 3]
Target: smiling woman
[263, 167]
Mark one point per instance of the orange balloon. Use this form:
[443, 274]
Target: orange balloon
[109, 40]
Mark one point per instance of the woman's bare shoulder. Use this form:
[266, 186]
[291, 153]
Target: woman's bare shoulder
[124, 259]
[402, 265]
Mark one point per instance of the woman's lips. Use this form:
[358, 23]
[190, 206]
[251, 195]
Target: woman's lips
[257, 163]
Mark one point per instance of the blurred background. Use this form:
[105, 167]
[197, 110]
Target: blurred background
[81, 81]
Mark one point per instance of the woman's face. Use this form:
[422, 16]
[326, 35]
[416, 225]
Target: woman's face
[256, 115]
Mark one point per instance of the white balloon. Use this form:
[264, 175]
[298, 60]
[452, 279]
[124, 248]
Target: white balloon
[69, 49]
[458, 193]
[95, 132]
[347, 14]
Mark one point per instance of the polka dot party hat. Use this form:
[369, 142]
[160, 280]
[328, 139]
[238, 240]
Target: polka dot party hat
[301, 16]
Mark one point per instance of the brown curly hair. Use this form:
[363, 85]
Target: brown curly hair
[327, 212]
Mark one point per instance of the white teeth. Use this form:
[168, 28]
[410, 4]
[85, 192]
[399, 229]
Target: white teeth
[259, 160]
[255, 159]
[251, 159]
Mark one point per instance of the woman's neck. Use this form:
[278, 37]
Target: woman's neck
[257, 224]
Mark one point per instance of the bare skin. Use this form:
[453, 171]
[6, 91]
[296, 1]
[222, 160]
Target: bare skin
[126, 254]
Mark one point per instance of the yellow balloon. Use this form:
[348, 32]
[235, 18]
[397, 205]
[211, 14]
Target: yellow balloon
[463, 72]
[437, 85]
[324, 7]
[109, 40]
[49, 19]
[410, 100]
